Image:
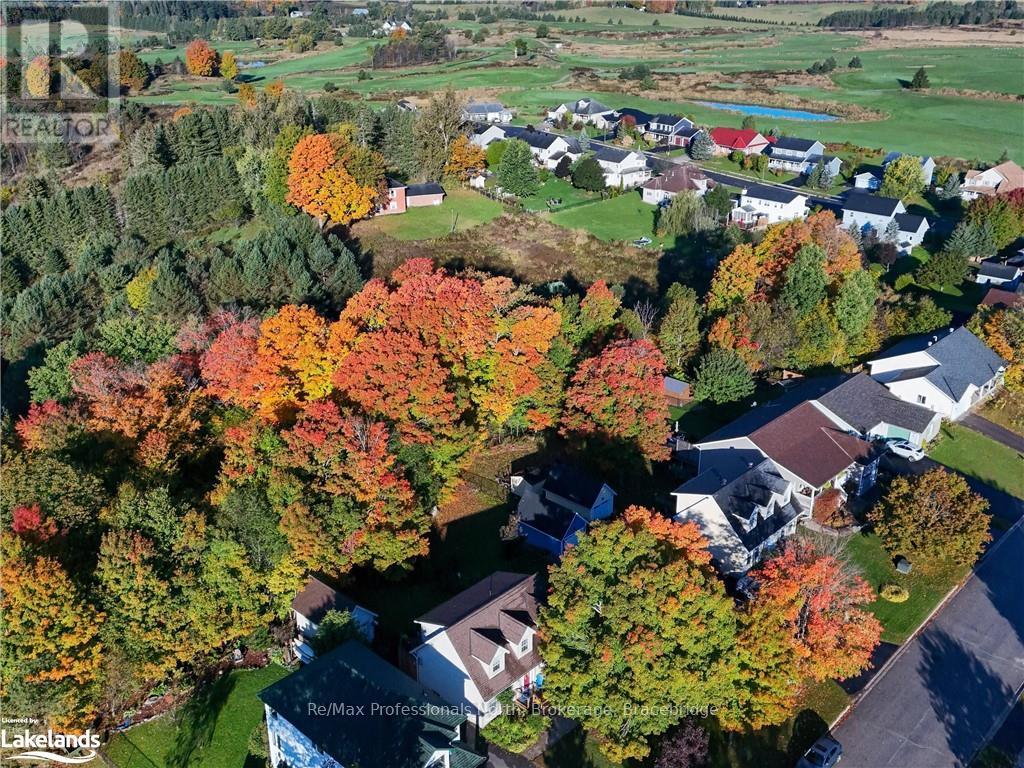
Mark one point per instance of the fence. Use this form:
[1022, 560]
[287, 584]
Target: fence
[489, 486]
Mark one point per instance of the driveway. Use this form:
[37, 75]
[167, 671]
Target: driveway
[996, 432]
[948, 689]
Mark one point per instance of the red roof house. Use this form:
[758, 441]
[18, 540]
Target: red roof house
[747, 141]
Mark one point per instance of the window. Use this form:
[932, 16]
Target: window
[524, 645]
[921, 399]
[496, 666]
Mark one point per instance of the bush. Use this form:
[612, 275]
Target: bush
[894, 593]
[514, 730]
[903, 281]
[330, 87]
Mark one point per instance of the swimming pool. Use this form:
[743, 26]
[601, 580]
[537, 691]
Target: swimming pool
[754, 109]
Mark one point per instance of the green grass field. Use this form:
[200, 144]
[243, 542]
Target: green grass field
[462, 209]
[212, 730]
[555, 188]
[980, 457]
[626, 217]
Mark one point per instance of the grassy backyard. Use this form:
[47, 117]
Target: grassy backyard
[462, 209]
[980, 457]
[212, 730]
[1007, 410]
[626, 217]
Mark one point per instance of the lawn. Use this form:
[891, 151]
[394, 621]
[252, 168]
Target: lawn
[558, 189]
[980, 457]
[212, 730]
[1007, 410]
[899, 620]
[626, 217]
[462, 209]
[961, 299]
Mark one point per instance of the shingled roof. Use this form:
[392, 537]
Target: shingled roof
[316, 599]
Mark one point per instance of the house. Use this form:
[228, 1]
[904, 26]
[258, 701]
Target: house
[867, 180]
[789, 153]
[683, 178]
[749, 142]
[485, 135]
[684, 137]
[351, 709]
[677, 392]
[360, 11]
[422, 195]
[1004, 177]
[742, 511]
[660, 127]
[622, 167]
[761, 204]
[875, 212]
[310, 606]
[486, 112]
[994, 272]
[1000, 297]
[638, 116]
[547, 148]
[806, 444]
[391, 26]
[480, 643]
[946, 372]
[927, 166]
[396, 202]
[586, 111]
[297, 14]
[556, 503]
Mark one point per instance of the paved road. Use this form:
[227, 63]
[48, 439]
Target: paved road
[940, 700]
[996, 432]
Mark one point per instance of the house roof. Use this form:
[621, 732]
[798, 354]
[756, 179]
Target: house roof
[1013, 177]
[611, 154]
[373, 737]
[873, 204]
[734, 138]
[430, 188]
[536, 139]
[588, 107]
[990, 268]
[1000, 297]
[484, 106]
[675, 386]
[909, 222]
[679, 179]
[316, 599]
[793, 144]
[574, 484]
[687, 133]
[863, 403]
[775, 194]
[551, 519]
[641, 117]
[962, 360]
[480, 609]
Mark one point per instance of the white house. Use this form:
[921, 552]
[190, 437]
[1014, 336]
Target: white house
[876, 212]
[547, 148]
[483, 136]
[761, 204]
[683, 178]
[996, 273]
[390, 26]
[661, 127]
[946, 372]
[622, 168]
[789, 153]
[310, 606]
[927, 166]
[588, 111]
[866, 180]
[481, 643]
[486, 112]
[1004, 177]
[351, 709]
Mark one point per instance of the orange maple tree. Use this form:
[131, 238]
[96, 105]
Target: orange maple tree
[320, 184]
[200, 59]
[465, 159]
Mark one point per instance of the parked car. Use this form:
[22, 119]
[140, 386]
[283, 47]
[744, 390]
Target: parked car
[908, 451]
[824, 753]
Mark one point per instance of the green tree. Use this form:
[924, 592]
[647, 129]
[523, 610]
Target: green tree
[920, 81]
[684, 215]
[335, 628]
[903, 177]
[933, 518]
[749, 123]
[855, 303]
[947, 267]
[636, 615]
[542, 30]
[438, 125]
[52, 379]
[495, 151]
[718, 201]
[516, 172]
[679, 334]
[587, 174]
[855, 63]
[805, 280]
[702, 147]
[722, 377]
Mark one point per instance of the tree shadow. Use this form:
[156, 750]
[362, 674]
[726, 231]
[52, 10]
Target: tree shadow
[196, 721]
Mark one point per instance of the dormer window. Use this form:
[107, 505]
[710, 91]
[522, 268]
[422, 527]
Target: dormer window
[496, 665]
[524, 645]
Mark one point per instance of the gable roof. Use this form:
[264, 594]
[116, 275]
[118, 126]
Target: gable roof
[477, 612]
[909, 222]
[1011, 173]
[793, 144]
[316, 599]
[863, 403]
[998, 269]
[588, 107]
[1000, 297]
[613, 154]
[735, 138]
[877, 205]
[775, 194]
[484, 106]
[574, 484]
[373, 737]
[550, 519]
[679, 179]
[962, 360]
[430, 188]
[641, 117]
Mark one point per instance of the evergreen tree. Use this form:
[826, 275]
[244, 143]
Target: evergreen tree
[516, 173]
[588, 174]
[855, 63]
[702, 147]
[722, 377]
[920, 81]
[805, 280]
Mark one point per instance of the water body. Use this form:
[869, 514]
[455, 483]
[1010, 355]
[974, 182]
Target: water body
[252, 64]
[754, 109]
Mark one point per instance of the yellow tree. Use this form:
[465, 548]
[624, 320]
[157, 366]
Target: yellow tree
[465, 160]
[37, 77]
[228, 66]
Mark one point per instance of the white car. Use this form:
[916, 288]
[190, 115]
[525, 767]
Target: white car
[906, 450]
[824, 753]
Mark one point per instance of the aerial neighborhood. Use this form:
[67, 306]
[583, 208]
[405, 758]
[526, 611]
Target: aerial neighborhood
[560, 384]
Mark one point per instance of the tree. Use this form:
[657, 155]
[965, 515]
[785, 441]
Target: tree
[516, 173]
[335, 628]
[563, 170]
[200, 59]
[618, 398]
[824, 604]
[749, 123]
[702, 147]
[495, 151]
[438, 125]
[947, 267]
[588, 174]
[934, 518]
[855, 63]
[466, 159]
[228, 65]
[805, 283]
[636, 615]
[735, 279]
[542, 30]
[920, 81]
[322, 179]
[685, 747]
[37, 77]
[903, 178]
[718, 202]
[722, 377]
[684, 215]
[821, 176]
[132, 71]
[679, 334]
[854, 306]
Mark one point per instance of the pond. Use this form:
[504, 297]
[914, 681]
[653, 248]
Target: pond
[754, 109]
[252, 64]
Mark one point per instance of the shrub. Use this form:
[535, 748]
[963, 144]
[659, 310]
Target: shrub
[894, 593]
[514, 730]
[903, 281]
[330, 87]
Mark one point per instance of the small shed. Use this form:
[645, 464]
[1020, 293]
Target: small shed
[549, 527]
[677, 392]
